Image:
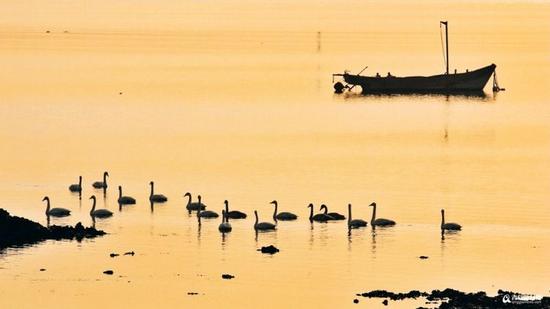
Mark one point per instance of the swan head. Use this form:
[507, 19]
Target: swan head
[199, 198]
[105, 174]
[151, 183]
[274, 202]
[322, 206]
[187, 194]
[92, 197]
[310, 205]
[45, 199]
[226, 202]
[442, 211]
[372, 204]
[119, 188]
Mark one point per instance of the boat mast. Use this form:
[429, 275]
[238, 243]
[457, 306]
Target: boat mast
[446, 43]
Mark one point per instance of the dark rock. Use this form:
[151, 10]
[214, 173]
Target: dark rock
[271, 249]
[423, 257]
[227, 276]
[108, 272]
[394, 296]
[114, 255]
[17, 231]
[192, 293]
[130, 253]
[356, 301]
[42, 269]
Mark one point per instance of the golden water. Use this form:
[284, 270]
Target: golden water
[234, 101]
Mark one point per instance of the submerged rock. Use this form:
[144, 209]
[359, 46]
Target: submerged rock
[130, 253]
[271, 249]
[108, 272]
[227, 276]
[17, 231]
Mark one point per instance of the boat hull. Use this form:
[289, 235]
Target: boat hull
[446, 83]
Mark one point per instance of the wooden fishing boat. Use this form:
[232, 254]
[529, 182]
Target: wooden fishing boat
[458, 82]
[469, 81]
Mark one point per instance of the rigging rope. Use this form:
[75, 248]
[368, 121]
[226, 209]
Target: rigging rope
[442, 49]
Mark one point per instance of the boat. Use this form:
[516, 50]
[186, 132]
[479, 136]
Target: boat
[469, 81]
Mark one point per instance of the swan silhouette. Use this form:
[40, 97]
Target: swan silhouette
[125, 200]
[101, 184]
[207, 213]
[263, 226]
[283, 216]
[156, 198]
[233, 214]
[99, 213]
[380, 221]
[225, 226]
[318, 217]
[334, 215]
[448, 226]
[76, 187]
[193, 205]
[55, 212]
[355, 223]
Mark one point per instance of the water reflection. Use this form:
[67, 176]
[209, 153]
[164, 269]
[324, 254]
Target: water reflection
[465, 96]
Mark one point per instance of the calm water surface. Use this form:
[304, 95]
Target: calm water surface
[235, 102]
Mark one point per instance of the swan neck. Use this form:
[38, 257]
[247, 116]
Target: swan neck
[256, 221]
[226, 213]
[373, 214]
[189, 199]
[326, 209]
[47, 206]
[275, 212]
[119, 192]
[442, 218]
[152, 189]
[349, 213]
[93, 206]
[80, 181]
[310, 213]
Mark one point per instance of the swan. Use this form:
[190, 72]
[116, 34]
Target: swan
[334, 215]
[157, 198]
[283, 216]
[263, 226]
[55, 212]
[206, 213]
[448, 226]
[193, 205]
[125, 200]
[379, 221]
[76, 187]
[318, 217]
[99, 213]
[233, 214]
[356, 223]
[101, 184]
[225, 226]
